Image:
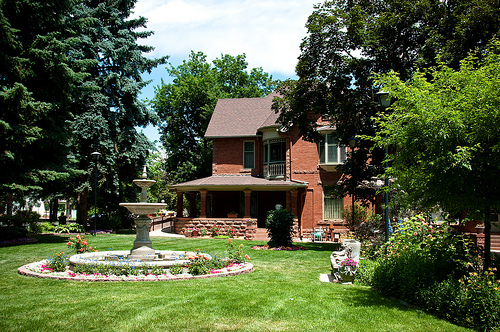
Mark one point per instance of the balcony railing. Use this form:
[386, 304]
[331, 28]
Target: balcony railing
[275, 171]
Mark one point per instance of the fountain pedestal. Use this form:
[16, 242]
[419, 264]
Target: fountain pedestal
[143, 247]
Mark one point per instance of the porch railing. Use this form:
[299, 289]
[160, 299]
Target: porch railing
[275, 171]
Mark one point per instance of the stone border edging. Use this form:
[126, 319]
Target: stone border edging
[23, 270]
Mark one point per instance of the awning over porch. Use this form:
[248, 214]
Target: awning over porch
[229, 183]
[237, 183]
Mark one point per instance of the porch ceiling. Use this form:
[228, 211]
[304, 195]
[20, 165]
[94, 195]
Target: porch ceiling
[237, 183]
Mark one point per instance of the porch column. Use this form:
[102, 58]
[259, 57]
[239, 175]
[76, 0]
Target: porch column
[293, 198]
[179, 204]
[203, 208]
[192, 204]
[248, 203]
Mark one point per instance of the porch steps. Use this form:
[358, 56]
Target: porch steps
[261, 234]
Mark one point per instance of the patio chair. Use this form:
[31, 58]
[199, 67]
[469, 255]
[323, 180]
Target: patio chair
[318, 234]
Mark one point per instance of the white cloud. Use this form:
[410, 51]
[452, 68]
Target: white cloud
[269, 32]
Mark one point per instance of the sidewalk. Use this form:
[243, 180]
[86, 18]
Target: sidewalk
[165, 232]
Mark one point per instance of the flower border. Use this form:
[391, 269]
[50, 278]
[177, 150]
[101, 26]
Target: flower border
[233, 270]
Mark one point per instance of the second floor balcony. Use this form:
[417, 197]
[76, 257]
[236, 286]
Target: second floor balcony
[275, 170]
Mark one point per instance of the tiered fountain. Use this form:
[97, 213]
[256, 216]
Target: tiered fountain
[142, 251]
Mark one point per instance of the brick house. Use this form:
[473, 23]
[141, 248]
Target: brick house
[257, 164]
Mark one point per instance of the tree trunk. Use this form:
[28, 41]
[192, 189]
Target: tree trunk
[487, 239]
[10, 200]
[54, 206]
[82, 207]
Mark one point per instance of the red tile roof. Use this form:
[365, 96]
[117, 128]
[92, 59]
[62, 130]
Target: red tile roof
[241, 117]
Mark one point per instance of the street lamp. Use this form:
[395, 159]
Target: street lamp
[95, 157]
[385, 102]
[352, 144]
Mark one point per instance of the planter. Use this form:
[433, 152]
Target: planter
[188, 234]
[347, 273]
[232, 215]
[195, 233]
[346, 277]
[479, 230]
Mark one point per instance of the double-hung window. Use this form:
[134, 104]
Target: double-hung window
[330, 152]
[333, 208]
[249, 154]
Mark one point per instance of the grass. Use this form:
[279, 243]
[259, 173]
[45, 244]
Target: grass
[282, 294]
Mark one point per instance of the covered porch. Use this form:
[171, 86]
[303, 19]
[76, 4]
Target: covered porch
[238, 200]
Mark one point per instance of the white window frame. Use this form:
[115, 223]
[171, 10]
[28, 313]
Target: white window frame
[245, 152]
[327, 142]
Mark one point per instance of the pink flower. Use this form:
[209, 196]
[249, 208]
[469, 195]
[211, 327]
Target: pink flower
[415, 233]
[247, 257]
[68, 244]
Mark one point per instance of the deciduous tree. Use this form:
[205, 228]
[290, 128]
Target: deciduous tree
[446, 137]
[348, 40]
[186, 105]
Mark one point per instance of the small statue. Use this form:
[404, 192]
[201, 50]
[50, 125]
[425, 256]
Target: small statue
[350, 249]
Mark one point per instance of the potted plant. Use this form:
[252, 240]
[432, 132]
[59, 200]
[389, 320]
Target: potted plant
[195, 232]
[480, 228]
[348, 269]
[232, 214]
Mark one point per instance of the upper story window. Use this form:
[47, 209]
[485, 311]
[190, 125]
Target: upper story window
[249, 154]
[274, 158]
[330, 152]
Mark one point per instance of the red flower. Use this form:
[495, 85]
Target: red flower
[247, 257]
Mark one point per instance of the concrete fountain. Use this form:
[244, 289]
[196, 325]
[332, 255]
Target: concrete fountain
[142, 252]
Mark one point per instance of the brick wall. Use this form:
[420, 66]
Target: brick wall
[227, 156]
[243, 227]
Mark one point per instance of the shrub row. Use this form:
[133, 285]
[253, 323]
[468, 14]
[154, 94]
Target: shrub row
[438, 270]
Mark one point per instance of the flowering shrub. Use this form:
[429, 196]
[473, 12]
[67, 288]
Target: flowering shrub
[57, 262]
[216, 230]
[349, 262]
[440, 271]
[235, 254]
[222, 231]
[472, 301]
[79, 245]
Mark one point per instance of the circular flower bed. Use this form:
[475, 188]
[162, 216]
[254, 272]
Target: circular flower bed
[40, 269]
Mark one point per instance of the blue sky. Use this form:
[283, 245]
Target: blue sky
[269, 32]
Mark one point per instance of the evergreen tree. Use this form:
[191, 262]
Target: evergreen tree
[108, 109]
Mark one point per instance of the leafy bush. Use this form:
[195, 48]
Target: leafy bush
[366, 270]
[235, 253]
[79, 244]
[58, 262]
[12, 232]
[46, 227]
[439, 270]
[69, 228]
[418, 255]
[472, 301]
[279, 224]
[27, 220]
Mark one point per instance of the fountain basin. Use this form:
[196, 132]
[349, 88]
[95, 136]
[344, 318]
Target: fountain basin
[161, 258]
[144, 208]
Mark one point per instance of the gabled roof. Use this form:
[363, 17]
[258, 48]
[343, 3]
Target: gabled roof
[241, 117]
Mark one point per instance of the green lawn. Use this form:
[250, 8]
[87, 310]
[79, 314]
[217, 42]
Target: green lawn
[282, 294]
